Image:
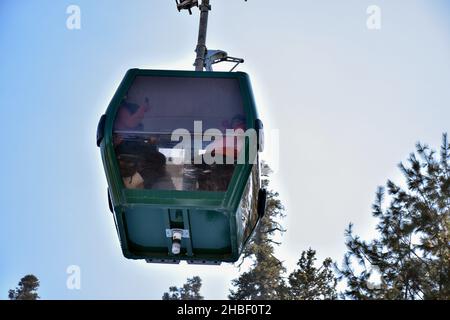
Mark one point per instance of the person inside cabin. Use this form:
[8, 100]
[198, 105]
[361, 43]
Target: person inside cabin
[140, 162]
[217, 176]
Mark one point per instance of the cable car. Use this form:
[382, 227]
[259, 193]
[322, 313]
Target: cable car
[180, 154]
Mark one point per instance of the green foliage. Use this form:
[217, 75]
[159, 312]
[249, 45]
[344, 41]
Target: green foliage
[26, 290]
[411, 256]
[264, 279]
[189, 291]
[310, 283]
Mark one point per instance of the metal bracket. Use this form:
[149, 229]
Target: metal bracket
[204, 262]
[202, 54]
[217, 56]
[164, 261]
[184, 233]
[205, 7]
[186, 5]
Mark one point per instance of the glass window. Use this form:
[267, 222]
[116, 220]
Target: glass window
[150, 156]
[249, 204]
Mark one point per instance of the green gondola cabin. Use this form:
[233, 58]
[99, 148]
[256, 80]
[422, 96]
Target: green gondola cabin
[180, 153]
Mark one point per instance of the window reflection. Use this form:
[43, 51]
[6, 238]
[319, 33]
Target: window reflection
[153, 161]
[153, 109]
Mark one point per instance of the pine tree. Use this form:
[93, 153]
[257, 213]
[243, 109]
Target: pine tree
[264, 279]
[26, 290]
[310, 283]
[189, 291]
[411, 256]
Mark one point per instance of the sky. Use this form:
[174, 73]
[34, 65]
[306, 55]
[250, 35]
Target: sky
[347, 103]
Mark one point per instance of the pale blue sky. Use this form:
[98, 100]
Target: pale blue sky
[349, 104]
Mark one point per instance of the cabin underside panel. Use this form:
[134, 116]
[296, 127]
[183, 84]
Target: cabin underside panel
[206, 233]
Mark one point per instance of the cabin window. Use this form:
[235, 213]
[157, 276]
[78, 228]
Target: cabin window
[166, 126]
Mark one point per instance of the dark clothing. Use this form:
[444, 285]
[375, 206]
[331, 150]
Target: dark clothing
[130, 107]
[143, 157]
[215, 177]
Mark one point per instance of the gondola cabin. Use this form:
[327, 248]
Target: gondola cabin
[180, 153]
